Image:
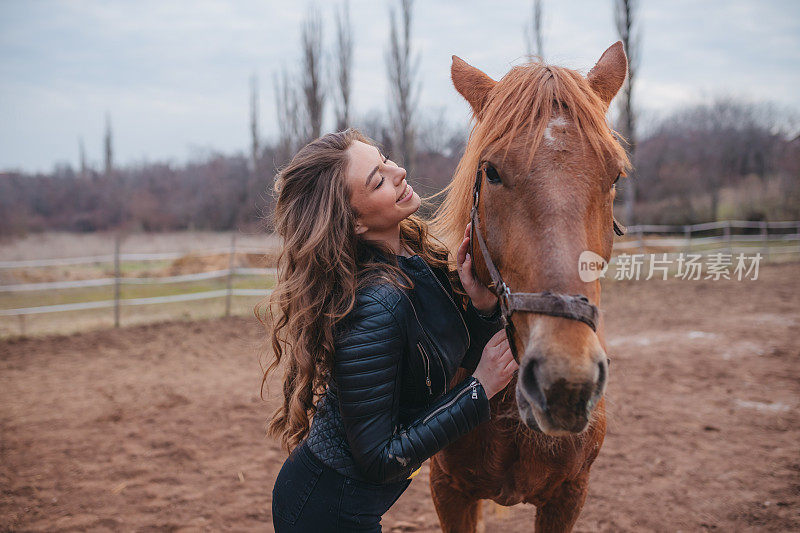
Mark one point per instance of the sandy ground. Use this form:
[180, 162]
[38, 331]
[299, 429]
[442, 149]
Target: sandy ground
[161, 428]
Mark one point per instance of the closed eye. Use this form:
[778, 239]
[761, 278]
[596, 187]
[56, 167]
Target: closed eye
[385, 159]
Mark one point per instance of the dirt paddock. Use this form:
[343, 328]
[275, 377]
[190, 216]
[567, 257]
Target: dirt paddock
[161, 428]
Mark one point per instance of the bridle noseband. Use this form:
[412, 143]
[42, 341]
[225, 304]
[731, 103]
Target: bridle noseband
[575, 306]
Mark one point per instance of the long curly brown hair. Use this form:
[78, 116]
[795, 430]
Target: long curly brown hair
[321, 266]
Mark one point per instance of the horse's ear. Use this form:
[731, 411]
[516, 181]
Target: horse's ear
[608, 75]
[472, 83]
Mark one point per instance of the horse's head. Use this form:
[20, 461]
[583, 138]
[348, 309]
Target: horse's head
[549, 165]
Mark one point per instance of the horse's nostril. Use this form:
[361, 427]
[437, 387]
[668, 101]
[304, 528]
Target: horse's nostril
[601, 380]
[602, 376]
[530, 384]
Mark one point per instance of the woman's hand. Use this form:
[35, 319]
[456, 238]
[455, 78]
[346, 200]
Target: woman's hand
[497, 365]
[482, 298]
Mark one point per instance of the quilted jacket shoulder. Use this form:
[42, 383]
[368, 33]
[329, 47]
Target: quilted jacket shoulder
[382, 298]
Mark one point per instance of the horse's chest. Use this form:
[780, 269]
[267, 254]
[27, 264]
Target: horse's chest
[511, 472]
[524, 482]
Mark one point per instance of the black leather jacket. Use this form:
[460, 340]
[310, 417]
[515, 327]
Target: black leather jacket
[387, 408]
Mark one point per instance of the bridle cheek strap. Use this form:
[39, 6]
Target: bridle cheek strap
[619, 229]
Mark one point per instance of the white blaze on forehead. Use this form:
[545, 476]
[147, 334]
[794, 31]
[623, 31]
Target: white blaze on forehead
[558, 122]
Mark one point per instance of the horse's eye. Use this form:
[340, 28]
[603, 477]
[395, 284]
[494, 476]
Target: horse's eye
[491, 174]
[616, 180]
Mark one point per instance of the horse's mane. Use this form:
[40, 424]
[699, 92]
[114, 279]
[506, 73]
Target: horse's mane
[528, 96]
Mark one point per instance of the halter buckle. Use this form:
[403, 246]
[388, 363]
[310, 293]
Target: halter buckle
[504, 292]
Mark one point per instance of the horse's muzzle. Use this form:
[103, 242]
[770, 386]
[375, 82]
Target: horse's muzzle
[560, 402]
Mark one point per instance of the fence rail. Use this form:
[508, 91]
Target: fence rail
[101, 282]
[771, 238]
[133, 301]
[665, 237]
[110, 258]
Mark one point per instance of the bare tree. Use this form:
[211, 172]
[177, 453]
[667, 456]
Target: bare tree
[438, 135]
[114, 179]
[374, 125]
[254, 141]
[108, 149]
[344, 63]
[313, 90]
[82, 155]
[534, 39]
[287, 107]
[625, 18]
[402, 70]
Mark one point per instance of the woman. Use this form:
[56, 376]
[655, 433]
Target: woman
[371, 329]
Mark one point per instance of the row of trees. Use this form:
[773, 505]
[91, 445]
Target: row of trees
[724, 159]
[721, 159]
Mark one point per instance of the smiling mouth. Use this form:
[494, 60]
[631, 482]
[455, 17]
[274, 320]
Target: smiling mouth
[406, 193]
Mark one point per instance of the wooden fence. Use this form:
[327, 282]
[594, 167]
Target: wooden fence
[771, 239]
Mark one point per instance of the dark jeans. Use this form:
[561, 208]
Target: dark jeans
[311, 497]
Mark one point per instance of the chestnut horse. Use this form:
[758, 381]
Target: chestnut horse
[550, 162]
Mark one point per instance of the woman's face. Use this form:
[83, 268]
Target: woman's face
[378, 192]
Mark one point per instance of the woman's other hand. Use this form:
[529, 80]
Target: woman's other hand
[482, 298]
[497, 365]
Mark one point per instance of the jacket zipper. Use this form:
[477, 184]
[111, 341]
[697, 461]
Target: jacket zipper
[425, 333]
[427, 368]
[473, 386]
[458, 311]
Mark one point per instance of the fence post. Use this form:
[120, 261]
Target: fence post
[640, 235]
[764, 241]
[798, 237]
[727, 234]
[687, 234]
[230, 275]
[117, 281]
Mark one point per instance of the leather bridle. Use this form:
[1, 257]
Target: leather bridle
[575, 306]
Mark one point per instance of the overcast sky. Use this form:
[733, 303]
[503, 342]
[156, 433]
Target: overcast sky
[174, 76]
